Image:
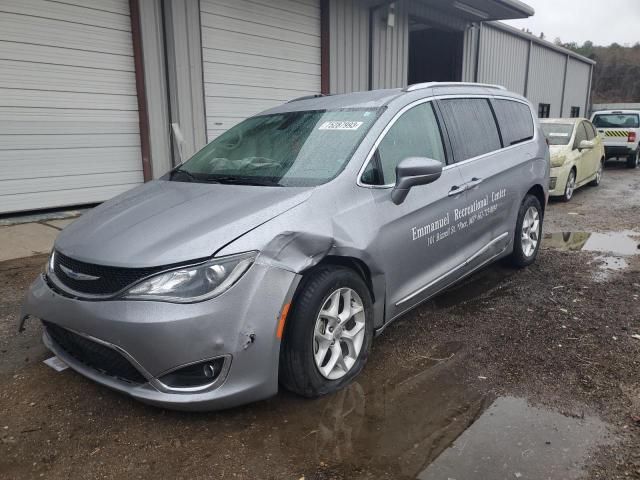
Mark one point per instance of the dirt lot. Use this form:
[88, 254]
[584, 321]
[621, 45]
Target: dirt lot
[513, 374]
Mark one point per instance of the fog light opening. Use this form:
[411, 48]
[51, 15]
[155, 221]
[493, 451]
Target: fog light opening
[196, 375]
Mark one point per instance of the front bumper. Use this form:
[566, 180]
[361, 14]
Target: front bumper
[558, 179]
[158, 337]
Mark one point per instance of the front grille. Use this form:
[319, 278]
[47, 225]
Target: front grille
[110, 279]
[94, 355]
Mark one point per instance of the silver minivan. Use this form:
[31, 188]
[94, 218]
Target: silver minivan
[276, 253]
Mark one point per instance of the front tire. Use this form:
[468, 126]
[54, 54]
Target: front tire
[328, 334]
[633, 159]
[528, 233]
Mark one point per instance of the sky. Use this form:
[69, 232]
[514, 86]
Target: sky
[601, 21]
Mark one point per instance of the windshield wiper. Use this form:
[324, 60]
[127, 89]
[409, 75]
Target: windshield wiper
[238, 180]
[187, 174]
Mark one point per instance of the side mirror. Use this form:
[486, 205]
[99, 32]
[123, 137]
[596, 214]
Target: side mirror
[586, 145]
[414, 171]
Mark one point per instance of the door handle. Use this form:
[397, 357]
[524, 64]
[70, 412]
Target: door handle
[457, 189]
[475, 181]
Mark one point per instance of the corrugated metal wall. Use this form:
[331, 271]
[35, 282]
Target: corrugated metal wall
[503, 59]
[546, 78]
[257, 55]
[69, 125]
[577, 88]
[390, 47]
[470, 53]
[349, 46]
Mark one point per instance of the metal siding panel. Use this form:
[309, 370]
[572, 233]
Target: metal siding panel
[470, 54]
[577, 89]
[546, 78]
[55, 33]
[68, 13]
[390, 48]
[25, 52]
[62, 162]
[69, 126]
[349, 52]
[256, 59]
[156, 88]
[503, 59]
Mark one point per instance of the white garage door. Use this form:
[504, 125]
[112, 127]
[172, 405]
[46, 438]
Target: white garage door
[257, 54]
[68, 105]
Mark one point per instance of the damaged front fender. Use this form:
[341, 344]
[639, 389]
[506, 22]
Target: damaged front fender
[298, 252]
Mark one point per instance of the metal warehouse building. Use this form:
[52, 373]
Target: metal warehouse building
[89, 89]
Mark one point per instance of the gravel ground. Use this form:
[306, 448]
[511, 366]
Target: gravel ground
[556, 334]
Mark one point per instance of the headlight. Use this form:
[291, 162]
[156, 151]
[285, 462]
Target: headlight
[196, 283]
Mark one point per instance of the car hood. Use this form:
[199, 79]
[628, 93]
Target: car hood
[163, 222]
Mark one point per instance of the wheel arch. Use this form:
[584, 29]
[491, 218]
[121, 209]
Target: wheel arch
[374, 280]
[355, 264]
[538, 192]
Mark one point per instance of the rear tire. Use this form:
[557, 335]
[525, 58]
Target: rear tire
[312, 328]
[570, 187]
[596, 181]
[528, 236]
[633, 159]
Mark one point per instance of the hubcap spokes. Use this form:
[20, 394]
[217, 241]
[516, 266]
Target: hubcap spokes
[530, 231]
[339, 333]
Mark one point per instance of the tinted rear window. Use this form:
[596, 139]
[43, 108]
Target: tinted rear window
[515, 121]
[471, 127]
[617, 120]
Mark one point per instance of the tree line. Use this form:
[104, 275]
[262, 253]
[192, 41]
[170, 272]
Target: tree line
[616, 76]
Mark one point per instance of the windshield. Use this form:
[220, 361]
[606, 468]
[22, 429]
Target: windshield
[557, 133]
[291, 149]
[617, 120]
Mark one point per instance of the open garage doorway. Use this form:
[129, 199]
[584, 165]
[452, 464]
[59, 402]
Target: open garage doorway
[435, 53]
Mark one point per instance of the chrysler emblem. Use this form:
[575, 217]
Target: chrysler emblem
[76, 275]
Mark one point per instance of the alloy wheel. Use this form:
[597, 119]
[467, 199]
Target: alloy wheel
[339, 333]
[530, 231]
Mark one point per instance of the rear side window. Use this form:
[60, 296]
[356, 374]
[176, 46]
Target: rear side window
[471, 127]
[515, 120]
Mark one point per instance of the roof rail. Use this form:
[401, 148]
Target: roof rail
[420, 86]
[308, 97]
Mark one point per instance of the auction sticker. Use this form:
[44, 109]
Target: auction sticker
[340, 125]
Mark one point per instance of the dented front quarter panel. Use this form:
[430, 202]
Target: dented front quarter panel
[349, 233]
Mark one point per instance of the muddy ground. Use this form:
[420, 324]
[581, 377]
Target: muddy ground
[513, 374]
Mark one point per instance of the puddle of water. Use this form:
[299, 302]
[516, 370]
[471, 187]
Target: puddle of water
[613, 247]
[609, 266]
[617, 243]
[512, 439]
[425, 423]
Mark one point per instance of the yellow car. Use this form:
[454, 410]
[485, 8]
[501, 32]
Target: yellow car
[577, 155]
